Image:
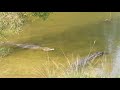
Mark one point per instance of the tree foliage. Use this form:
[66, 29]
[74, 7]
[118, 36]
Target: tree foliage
[44, 15]
[14, 21]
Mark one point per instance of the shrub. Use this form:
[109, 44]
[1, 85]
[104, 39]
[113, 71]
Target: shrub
[4, 51]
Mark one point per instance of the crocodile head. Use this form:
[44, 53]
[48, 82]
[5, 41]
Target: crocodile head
[101, 53]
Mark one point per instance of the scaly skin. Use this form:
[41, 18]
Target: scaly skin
[84, 61]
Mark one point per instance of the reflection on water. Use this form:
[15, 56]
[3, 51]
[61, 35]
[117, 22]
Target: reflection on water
[116, 63]
[111, 33]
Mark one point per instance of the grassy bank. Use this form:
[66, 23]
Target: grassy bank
[97, 69]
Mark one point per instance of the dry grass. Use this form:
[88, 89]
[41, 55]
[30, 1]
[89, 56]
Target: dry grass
[95, 69]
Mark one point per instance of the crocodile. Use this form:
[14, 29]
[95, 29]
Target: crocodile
[27, 46]
[31, 46]
[86, 60]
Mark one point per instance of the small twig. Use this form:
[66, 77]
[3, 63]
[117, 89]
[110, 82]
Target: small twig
[65, 56]
[110, 15]
[55, 64]
[48, 58]
[92, 47]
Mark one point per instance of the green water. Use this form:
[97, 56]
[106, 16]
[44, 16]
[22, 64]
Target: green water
[71, 34]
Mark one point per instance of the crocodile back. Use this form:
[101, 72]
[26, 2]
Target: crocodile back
[84, 61]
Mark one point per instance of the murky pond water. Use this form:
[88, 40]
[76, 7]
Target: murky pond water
[72, 35]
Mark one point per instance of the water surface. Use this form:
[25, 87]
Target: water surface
[72, 35]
